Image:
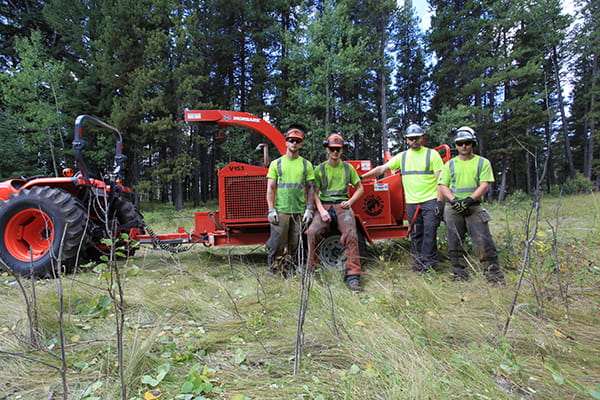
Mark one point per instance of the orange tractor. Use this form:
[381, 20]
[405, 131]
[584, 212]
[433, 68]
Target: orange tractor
[41, 216]
[47, 222]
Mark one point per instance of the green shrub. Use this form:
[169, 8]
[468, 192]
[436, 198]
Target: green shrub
[555, 190]
[580, 184]
[518, 196]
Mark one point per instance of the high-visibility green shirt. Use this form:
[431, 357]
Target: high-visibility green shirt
[291, 175]
[418, 173]
[333, 181]
[463, 177]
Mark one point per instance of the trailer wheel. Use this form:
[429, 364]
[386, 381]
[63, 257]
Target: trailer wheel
[37, 227]
[331, 251]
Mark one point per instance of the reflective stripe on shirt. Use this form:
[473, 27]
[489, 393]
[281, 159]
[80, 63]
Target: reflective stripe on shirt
[281, 184]
[453, 187]
[326, 192]
[427, 170]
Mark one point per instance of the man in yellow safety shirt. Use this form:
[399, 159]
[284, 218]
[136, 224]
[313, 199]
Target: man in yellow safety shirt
[332, 178]
[420, 167]
[290, 188]
[463, 181]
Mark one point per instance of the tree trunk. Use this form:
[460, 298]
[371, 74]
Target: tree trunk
[206, 172]
[164, 185]
[384, 129]
[528, 166]
[383, 85]
[177, 194]
[502, 192]
[177, 180]
[589, 160]
[196, 177]
[563, 117]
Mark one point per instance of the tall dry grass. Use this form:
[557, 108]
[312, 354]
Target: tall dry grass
[405, 337]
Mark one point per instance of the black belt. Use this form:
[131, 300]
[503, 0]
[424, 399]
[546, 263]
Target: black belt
[332, 202]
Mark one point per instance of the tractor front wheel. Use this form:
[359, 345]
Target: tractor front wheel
[40, 230]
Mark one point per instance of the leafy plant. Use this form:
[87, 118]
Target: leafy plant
[561, 379]
[97, 306]
[200, 379]
[162, 370]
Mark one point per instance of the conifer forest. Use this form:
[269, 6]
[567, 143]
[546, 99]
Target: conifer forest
[524, 74]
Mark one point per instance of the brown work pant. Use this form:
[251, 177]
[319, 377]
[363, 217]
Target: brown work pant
[346, 224]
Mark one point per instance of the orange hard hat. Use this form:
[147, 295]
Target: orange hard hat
[334, 140]
[294, 133]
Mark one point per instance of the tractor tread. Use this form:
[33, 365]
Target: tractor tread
[68, 220]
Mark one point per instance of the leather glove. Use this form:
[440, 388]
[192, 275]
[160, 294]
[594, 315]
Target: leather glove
[273, 218]
[307, 217]
[439, 210]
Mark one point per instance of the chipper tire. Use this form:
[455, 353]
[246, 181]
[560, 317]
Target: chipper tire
[40, 231]
[331, 252]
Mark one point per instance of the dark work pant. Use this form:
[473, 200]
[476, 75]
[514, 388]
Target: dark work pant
[423, 236]
[484, 247]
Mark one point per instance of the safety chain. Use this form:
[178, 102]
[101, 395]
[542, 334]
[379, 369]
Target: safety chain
[165, 246]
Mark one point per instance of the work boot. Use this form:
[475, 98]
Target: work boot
[277, 267]
[460, 273]
[417, 268]
[288, 268]
[428, 270]
[354, 285]
[494, 275]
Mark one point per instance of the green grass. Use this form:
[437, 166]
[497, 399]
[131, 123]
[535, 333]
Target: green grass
[404, 337]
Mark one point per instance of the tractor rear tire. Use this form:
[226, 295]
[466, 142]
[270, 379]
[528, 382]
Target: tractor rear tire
[124, 215]
[41, 230]
[128, 216]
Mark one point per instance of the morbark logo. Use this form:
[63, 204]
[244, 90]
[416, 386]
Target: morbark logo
[373, 205]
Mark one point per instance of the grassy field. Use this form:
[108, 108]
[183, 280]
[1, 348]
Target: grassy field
[211, 323]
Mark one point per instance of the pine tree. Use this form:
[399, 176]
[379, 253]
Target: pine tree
[585, 110]
[411, 76]
[33, 95]
[496, 72]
